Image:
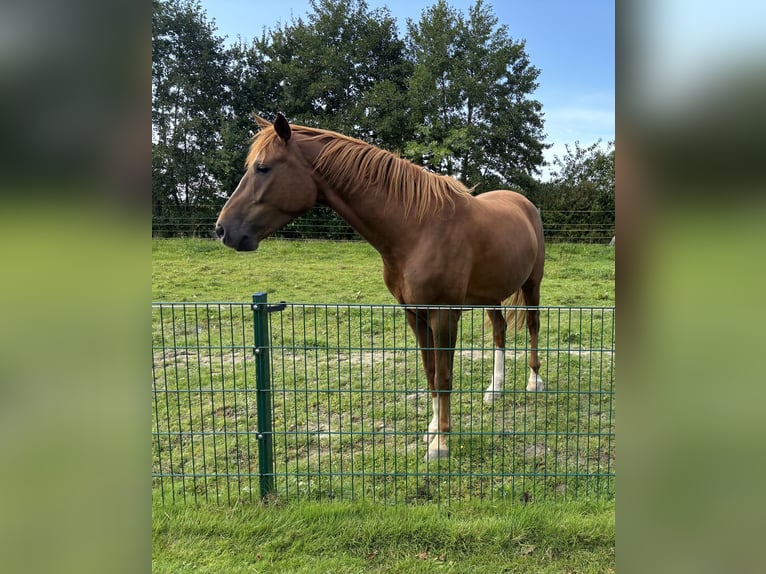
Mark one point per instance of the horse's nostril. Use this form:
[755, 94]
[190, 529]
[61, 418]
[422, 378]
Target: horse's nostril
[220, 231]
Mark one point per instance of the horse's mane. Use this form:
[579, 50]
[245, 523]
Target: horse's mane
[354, 165]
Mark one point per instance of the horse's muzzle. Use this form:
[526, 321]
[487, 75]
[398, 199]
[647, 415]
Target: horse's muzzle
[247, 243]
[244, 243]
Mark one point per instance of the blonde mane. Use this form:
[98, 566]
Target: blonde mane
[353, 165]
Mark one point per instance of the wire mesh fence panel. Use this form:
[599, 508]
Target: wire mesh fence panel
[350, 407]
[204, 447]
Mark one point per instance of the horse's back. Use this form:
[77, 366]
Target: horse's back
[504, 200]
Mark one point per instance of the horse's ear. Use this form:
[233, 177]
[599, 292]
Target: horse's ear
[282, 127]
[262, 123]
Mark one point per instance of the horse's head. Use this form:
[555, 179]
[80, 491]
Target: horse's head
[277, 187]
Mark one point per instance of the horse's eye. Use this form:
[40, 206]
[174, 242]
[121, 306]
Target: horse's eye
[262, 169]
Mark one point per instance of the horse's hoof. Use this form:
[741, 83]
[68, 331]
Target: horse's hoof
[536, 383]
[436, 454]
[491, 396]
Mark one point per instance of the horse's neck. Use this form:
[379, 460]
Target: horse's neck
[379, 221]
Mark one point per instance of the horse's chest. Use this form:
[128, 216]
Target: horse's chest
[392, 277]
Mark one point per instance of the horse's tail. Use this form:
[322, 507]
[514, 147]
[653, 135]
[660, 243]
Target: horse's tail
[516, 318]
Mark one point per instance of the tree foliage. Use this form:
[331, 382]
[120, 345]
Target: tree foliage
[342, 69]
[470, 99]
[578, 201]
[455, 95]
[190, 99]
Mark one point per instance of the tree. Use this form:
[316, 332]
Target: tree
[343, 69]
[470, 98]
[190, 102]
[251, 86]
[578, 202]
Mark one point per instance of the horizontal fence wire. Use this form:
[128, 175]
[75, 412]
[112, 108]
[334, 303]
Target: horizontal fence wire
[350, 407]
[581, 226]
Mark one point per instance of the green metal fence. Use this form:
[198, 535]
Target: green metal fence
[329, 402]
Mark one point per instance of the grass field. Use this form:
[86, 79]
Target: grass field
[326, 272]
[329, 272]
[337, 537]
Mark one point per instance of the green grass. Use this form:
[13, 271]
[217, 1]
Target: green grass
[348, 419]
[351, 272]
[341, 537]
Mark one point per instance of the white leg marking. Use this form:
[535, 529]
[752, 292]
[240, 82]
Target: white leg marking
[536, 382]
[437, 441]
[433, 426]
[498, 378]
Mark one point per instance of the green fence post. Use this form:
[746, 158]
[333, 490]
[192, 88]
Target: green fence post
[263, 397]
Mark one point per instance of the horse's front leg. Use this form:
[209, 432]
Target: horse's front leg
[418, 322]
[443, 325]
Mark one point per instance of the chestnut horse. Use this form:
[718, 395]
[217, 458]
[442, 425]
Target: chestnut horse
[439, 244]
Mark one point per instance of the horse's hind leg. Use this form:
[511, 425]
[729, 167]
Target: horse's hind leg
[498, 374]
[531, 291]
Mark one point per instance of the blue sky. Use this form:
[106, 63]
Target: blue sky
[571, 42]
